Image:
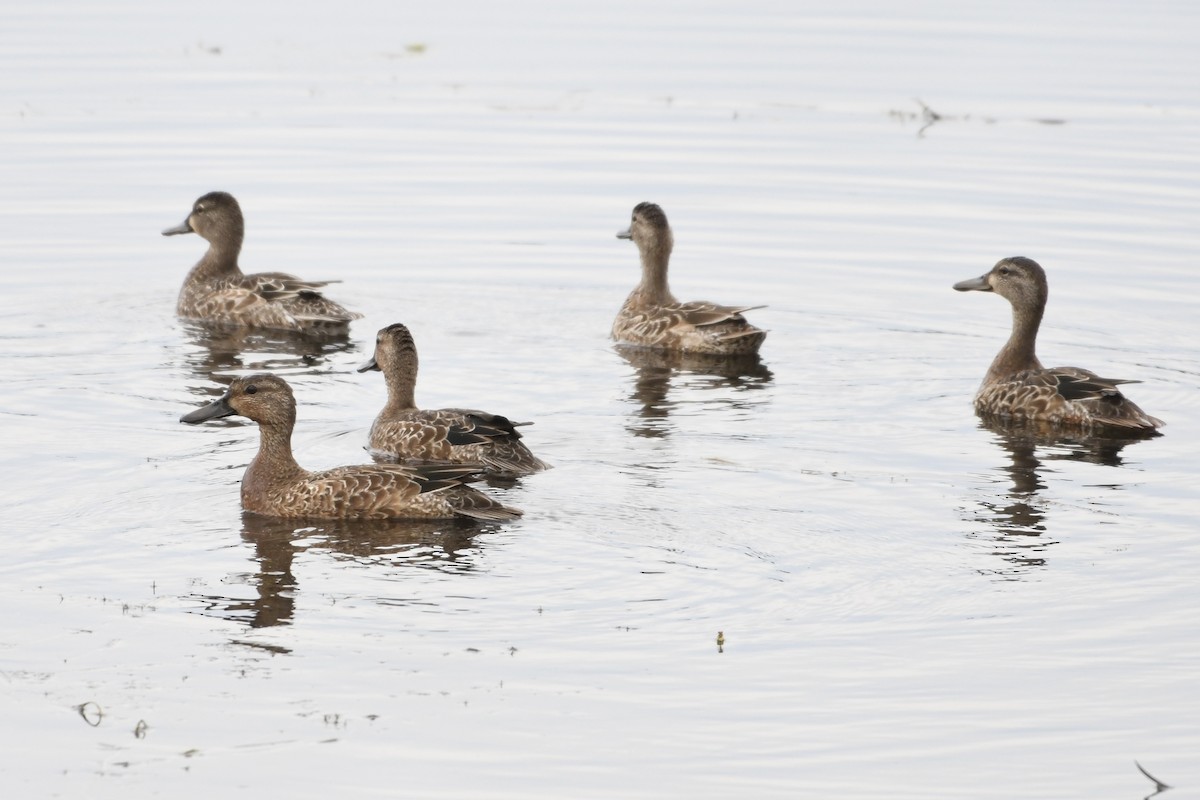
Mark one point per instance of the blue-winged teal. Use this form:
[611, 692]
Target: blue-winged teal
[448, 434]
[1018, 387]
[652, 317]
[275, 485]
[216, 290]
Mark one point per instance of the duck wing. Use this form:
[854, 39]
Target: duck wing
[701, 313]
[280, 285]
[450, 481]
[239, 305]
[479, 427]
[1104, 402]
[452, 435]
[1075, 383]
[397, 491]
[300, 298]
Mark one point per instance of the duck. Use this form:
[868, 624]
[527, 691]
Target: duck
[652, 317]
[274, 485]
[1017, 387]
[455, 435]
[217, 291]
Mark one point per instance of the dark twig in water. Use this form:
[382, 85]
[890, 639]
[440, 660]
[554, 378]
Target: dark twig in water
[1159, 786]
[91, 712]
[928, 117]
[928, 114]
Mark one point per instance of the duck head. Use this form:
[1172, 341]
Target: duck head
[216, 215]
[649, 229]
[392, 345]
[264, 398]
[1020, 280]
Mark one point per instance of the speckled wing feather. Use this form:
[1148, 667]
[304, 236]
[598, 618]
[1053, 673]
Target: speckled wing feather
[395, 491]
[1075, 383]
[280, 285]
[238, 305]
[1065, 395]
[699, 327]
[269, 300]
[701, 313]
[456, 435]
[415, 436]
[298, 298]
[480, 426]
[651, 327]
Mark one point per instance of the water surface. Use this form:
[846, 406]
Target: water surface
[912, 604]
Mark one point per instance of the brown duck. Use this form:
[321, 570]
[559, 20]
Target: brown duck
[1018, 387]
[456, 435]
[652, 317]
[275, 485]
[216, 290]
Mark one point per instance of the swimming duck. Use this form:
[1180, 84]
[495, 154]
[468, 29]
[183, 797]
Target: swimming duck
[216, 290]
[652, 317]
[1017, 386]
[275, 485]
[455, 435]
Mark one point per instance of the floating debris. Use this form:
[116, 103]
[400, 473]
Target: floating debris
[1159, 786]
[929, 117]
[91, 712]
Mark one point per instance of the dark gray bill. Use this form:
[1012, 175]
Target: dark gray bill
[625, 234]
[183, 227]
[214, 410]
[368, 365]
[979, 284]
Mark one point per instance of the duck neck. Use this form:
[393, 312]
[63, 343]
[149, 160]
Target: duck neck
[274, 462]
[221, 260]
[1019, 352]
[402, 382]
[655, 257]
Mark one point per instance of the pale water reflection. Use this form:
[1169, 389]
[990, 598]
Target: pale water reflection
[218, 354]
[912, 606]
[666, 382]
[1022, 517]
[443, 545]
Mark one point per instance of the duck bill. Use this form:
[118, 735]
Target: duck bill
[368, 365]
[183, 227]
[214, 410]
[979, 284]
[625, 234]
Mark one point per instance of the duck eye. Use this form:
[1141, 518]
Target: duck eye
[1004, 270]
[251, 389]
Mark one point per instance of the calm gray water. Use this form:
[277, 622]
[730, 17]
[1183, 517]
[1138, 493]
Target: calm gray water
[913, 605]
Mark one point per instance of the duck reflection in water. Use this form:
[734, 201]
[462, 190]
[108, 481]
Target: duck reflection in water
[441, 545]
[656, 370]
[1018, 517]
[218, 352]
